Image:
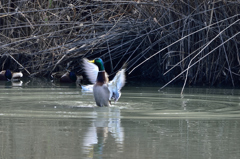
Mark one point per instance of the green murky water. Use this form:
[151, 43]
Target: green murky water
[46, 120]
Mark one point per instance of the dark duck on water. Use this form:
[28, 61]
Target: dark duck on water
[67, 77]
[7, 75]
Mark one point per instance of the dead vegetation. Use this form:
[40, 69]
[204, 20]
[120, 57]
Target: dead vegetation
[192, 42]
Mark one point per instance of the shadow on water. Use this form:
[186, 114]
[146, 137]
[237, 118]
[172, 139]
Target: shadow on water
[41, 119]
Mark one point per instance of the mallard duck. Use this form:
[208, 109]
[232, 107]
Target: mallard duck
[7, 75]
[103, 90]
[66, 77]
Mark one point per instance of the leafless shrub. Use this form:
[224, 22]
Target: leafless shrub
[193, 41]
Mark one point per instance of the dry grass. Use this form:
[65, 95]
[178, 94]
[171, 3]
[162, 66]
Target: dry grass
[188, 41]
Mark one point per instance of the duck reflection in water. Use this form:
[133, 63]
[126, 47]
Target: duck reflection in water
[10, 84]
[17, 83]
[106, 127]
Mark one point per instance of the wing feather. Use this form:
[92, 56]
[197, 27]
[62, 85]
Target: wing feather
[116, 84]
[91, 70]
[121, 79]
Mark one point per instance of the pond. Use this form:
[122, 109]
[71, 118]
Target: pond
[41, 119]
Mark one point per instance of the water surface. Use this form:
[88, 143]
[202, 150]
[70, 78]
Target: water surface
[47, 120]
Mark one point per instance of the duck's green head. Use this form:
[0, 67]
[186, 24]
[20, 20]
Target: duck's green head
[8, 74]
[99, 63]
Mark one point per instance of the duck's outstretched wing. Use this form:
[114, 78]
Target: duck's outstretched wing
[91, 70]
[120, 78]
[116, 84]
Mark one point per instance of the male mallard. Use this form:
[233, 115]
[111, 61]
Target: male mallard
[103, 90]
[8, 75]
[68, 77]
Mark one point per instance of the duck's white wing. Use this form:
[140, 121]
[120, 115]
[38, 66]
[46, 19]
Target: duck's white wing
[116, 85]
[91, 70]
[120, 78]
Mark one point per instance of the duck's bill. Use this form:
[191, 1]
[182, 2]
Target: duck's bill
[91, 61]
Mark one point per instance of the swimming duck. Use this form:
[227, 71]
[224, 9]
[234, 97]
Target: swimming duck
[7, 75]
[103, 90]
[66, 77]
